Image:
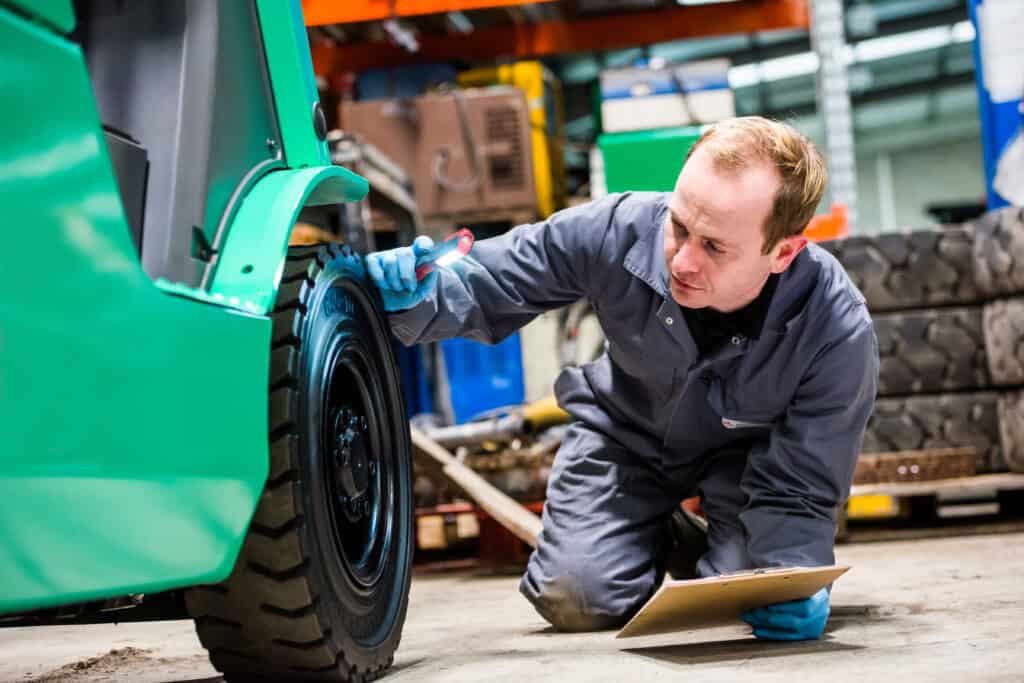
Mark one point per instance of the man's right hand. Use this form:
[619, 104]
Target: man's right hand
[394, 273]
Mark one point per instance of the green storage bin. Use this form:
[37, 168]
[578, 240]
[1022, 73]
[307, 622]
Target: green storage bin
[645, 159]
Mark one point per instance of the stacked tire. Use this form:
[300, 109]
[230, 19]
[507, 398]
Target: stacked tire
[948, 308]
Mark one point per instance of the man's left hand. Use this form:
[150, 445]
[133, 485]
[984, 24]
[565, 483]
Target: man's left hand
[797, 620]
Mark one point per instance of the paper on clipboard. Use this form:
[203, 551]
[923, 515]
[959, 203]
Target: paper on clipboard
[720, 600]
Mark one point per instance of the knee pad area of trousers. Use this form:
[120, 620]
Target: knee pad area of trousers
[568, 604]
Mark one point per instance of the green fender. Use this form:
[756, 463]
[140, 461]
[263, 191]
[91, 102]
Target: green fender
[134, 423]
[249, 266]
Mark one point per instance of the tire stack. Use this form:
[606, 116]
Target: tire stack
[948, 308]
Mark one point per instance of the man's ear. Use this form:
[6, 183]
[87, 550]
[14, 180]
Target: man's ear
[785, 251]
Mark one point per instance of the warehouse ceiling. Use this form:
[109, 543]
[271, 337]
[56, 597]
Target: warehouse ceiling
[916, 53]
[910, 62]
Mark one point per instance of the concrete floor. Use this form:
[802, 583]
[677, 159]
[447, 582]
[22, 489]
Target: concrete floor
[928, 610]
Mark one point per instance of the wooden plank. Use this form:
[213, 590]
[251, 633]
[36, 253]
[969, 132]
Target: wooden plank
[912, 466]
[320, 12]
[601, 32]
[922, 453]
[978, 483]
[510, 514]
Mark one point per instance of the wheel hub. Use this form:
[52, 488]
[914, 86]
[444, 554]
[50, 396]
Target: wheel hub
[353, 469]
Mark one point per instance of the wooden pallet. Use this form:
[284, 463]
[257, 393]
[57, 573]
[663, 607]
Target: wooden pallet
[920, 503]
[979, 483]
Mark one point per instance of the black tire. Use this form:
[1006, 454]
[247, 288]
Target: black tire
[915, 270]
[1011, 430]
[999, 251]
[1004, 341]
[320, 588]
[931, 351]
[942, 421]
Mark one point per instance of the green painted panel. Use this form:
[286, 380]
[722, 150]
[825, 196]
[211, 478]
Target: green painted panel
[134, 421]
[292, 80]
[249, 270]
[646, 159]
[57, 13]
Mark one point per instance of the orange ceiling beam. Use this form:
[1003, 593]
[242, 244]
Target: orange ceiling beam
[320, 12]
[603, 32]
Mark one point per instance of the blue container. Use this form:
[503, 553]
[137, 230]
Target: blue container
[482, 377]
[1000, 119]
[414, 381]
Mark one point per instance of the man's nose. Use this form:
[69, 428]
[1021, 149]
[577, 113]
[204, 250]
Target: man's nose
[686, 260]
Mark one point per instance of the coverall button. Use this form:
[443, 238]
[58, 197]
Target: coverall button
[737, 340]
[669, 321]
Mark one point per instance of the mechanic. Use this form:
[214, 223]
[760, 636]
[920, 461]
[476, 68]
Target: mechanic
[740, 366]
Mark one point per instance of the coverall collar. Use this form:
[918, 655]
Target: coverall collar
[646, 260]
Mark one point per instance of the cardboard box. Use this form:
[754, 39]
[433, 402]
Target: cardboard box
[467, 153]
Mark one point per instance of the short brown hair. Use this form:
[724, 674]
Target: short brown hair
[736, 143]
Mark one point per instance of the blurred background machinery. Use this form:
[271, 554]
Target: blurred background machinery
[388, 216]
[485, 150]
[483, 173]
[545, 107]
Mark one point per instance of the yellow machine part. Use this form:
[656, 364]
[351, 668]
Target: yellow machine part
[543, 95]
[544, 413]
[872, 507]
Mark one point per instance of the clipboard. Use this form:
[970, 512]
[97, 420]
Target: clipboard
[720, 600]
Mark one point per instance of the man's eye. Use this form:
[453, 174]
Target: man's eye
[680, 230]
[711, 246]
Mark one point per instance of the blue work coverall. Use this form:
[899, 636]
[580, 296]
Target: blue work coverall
[766, 430]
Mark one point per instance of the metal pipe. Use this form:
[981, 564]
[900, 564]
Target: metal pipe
[473, 433]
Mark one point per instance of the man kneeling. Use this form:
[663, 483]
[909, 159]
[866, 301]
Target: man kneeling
[741, 366]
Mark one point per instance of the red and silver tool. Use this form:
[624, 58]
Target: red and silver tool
[455, 247]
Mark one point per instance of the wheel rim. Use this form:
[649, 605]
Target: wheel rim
[359, 478]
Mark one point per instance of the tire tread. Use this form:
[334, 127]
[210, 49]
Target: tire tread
[1004, 341]
[938, 421]
[951, 265]
[931, 351]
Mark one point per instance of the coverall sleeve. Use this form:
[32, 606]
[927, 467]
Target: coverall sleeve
[507, 280]
[796, 482]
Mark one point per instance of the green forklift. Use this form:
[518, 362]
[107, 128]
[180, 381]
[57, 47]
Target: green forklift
[198, 420]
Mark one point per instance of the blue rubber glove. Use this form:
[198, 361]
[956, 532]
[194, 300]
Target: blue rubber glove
[797, 620]
[394, 274]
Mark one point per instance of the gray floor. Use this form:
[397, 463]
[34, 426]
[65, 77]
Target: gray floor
[928, 610]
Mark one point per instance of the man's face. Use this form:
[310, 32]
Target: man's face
[714, 234]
